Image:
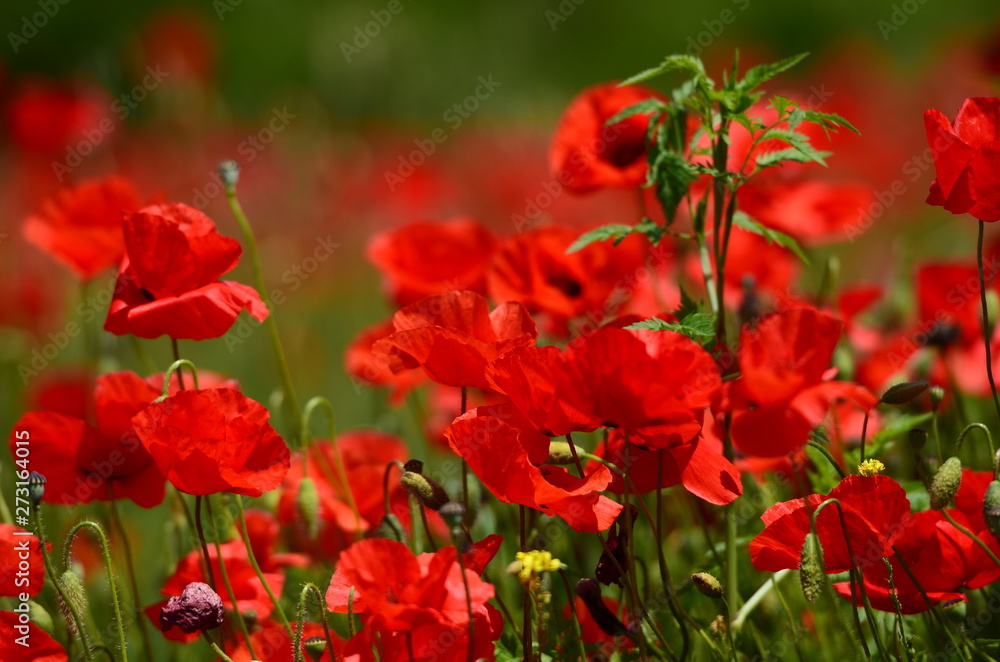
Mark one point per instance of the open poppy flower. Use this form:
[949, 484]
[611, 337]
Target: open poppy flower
[507, 453]
[425, 258]
[454, 336]
[781, 395]
[398, 593]
[83, 462]
[371, 369]
[250, 592]
[16, 547]
[612, 378]
[875, 512]
[39, 646]
[967, 158]
[586, 154]
[169, 283]
[81, 227]
[213, 440]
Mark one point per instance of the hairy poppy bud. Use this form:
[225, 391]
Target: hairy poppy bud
[197, 609]
[425, 490]
[917, 438]
[391, 528]
[308, 505]
[811, 572]
[76, 598]
[561, 453]
[991, 508]
[904, 392]
[708, 585]
[314, 647]
[945, 483]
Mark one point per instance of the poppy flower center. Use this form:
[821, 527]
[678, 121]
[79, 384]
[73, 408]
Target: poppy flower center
[624, 153]
[567, 286]
[942, 334]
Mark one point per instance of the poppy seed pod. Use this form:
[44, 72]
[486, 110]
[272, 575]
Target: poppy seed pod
[917, 438]
[812, 575]
[36, 487]
[946, 482]
[229, 172]
[708, 585]
[314, 647]
[453, 514]
[425, 490]
[308, 505]
[197, 609]
[991, 508]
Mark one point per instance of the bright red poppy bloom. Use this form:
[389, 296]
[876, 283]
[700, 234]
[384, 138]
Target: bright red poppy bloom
[967, 158]
[586, 154]
[397, 592]
[371, 369]
[509, 456]
[250, 592]
[81, 227]
[365, 455]
[48, 119]
[15, 548]
[213, 440]
[613, 378]
[454, 336]
[83, 462]
[169, 282]
[534, 268]
[809, 209]
[39, 646]
[425, 258]
[875, 511]
[782, 394]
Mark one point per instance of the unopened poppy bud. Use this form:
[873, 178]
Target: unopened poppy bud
[904, 392]
[391, 528]
[229, 171]
[308, 505]
[708, 585]
[589, 590]
[416, 466]
[812, 575]
[314, 647]
[937, 395]
[917, 438]
[453, 514]
[36, 487]
[561, 453]
[426, 490]
[40, 617]
[946, 482]
[991, 508]
[197, 609]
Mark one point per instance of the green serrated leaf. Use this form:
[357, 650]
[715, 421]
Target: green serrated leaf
[799, 141]
[899, 425]
[744, 222]
[641, 108]
[603, 233]
[790, 154]
[685, 63]
[829, 120]
[764, 72]
[688, 305]
[671, 176]
[699, 327]
[795, 118]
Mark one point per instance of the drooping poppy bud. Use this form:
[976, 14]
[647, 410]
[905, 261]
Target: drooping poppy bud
[76, 597]
[315, 647]
[991, 507]
[812, 575]
[426, 490]
[917, 438]
[196, 609]
[946, 482]
[307, 504]
[708, 585]
[904, 392]
[391, 528]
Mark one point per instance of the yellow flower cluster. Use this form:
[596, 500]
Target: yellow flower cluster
[535, 563]
[870, 468]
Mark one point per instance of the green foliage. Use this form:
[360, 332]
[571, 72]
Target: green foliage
[617, 233]
[744, 222]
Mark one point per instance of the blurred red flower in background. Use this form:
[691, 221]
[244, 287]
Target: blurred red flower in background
[41, 646]
[17, 548]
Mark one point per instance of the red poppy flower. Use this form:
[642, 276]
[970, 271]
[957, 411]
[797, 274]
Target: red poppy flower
[534, 268]
[586, 154]
[782, 394]
[81, 226]
[454, 336]
[17, 546]
[612, 378]
[967, 158]
[397, 592]
[169, 282]
[507, 454]
[48, 119]
[367, 367]
[250, 592]
[875, 511]
[365, 455]
[272, 643]
[83, 462]
[811, 210]
[426, 258]
[33, 646]
[591, 632]
[213, 440]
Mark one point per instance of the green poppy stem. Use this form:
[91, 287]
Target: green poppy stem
[986, 318]
[256, 566]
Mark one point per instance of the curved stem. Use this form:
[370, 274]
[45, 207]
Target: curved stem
[986, 318]
[311, 406]
[864, 436]
[290, 401]
[986, 431]
[175, 367]
[743, 612]
[923, 593]
[238, 615]
[311, 589]
[130, 565]
[106, 554]
[972, 536]
[829, 457]
[175, 347]
[215, 647]
[256, 566]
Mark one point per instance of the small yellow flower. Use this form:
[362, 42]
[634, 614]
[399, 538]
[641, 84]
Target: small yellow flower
[871, 467]
[536, 562]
